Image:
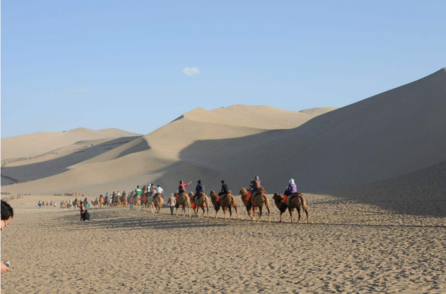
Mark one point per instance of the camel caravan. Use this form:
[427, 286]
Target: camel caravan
[254, 198]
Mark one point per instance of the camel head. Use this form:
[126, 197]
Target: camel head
[277, 196]
[243, 191]
[213, 194]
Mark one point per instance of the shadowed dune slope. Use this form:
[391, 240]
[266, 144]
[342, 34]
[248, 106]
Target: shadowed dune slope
[38, 143]
[388, 135]
[418, 193]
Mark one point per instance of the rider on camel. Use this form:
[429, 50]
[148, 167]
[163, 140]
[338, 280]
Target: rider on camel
[198, 190]
[292, 189]
[255, 185]
[224, 190]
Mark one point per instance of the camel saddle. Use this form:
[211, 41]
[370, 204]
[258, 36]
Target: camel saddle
[288, 199]
[223, 197]
[199, 196]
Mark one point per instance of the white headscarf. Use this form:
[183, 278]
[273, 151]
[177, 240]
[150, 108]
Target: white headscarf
[291, 182]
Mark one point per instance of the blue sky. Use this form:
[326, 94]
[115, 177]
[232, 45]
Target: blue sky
[101, 64]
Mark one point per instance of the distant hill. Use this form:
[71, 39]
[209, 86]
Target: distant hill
[38, 143]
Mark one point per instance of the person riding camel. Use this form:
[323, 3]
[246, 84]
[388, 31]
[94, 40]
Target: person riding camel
[224, 190]
[182, 188]
[138, 191]
[292, 189]
[255, 185]
[159, 192]
[198, 190]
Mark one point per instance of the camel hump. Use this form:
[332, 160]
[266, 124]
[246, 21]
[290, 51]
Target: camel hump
[229, 192]
[261, 190]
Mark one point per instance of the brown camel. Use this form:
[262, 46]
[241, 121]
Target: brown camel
[123, 199]
[256, 201]
[201, 201]
[101, 200]
[136, 200]
[158, 201]
[183, 201]
[226, 202]
[296, 201]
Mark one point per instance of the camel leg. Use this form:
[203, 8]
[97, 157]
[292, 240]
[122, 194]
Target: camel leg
[216, 212]
[248, 210]
[306, 212]
[230, 212]
[176, 211]
[203, 211]
[291, 213]
[280, 220]
[261, 213]
[269, 212]
[298, 213]
[236, 212]
[253, 213]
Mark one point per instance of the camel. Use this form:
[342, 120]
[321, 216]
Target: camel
[257, 200]
[295, 202]
[101, 200]
[183, 200]
[226, 202]
[107, 201]
[123, 199]
[201, 201]
[157, 202]
[136, 200]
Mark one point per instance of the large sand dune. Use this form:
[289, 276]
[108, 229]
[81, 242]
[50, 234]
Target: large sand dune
[144, 159]
[388, 135]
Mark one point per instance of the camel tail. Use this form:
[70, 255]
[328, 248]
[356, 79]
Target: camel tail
[304, 203]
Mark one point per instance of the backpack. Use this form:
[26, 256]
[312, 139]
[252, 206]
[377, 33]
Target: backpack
[86, 215]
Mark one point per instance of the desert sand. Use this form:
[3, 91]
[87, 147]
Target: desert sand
[350, 247]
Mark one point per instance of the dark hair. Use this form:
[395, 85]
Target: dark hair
[222, 181]
[181, 182]
[7, 211]
[158, 185]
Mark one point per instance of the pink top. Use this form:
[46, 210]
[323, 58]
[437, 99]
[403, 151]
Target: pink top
[183, 186]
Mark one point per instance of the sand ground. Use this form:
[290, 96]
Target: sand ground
[349, 248]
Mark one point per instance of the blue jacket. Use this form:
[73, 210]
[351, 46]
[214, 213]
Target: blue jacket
[224, 189]
[199, 188]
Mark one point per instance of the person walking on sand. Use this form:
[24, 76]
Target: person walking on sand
[172, 202]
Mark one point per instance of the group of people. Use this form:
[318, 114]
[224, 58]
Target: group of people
[43, 203]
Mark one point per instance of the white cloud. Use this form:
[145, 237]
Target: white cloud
[77, 90]
[190, 71]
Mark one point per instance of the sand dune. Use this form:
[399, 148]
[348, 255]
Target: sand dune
[146, 159]
[386, 136]
[38, 143]
[318, 110]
